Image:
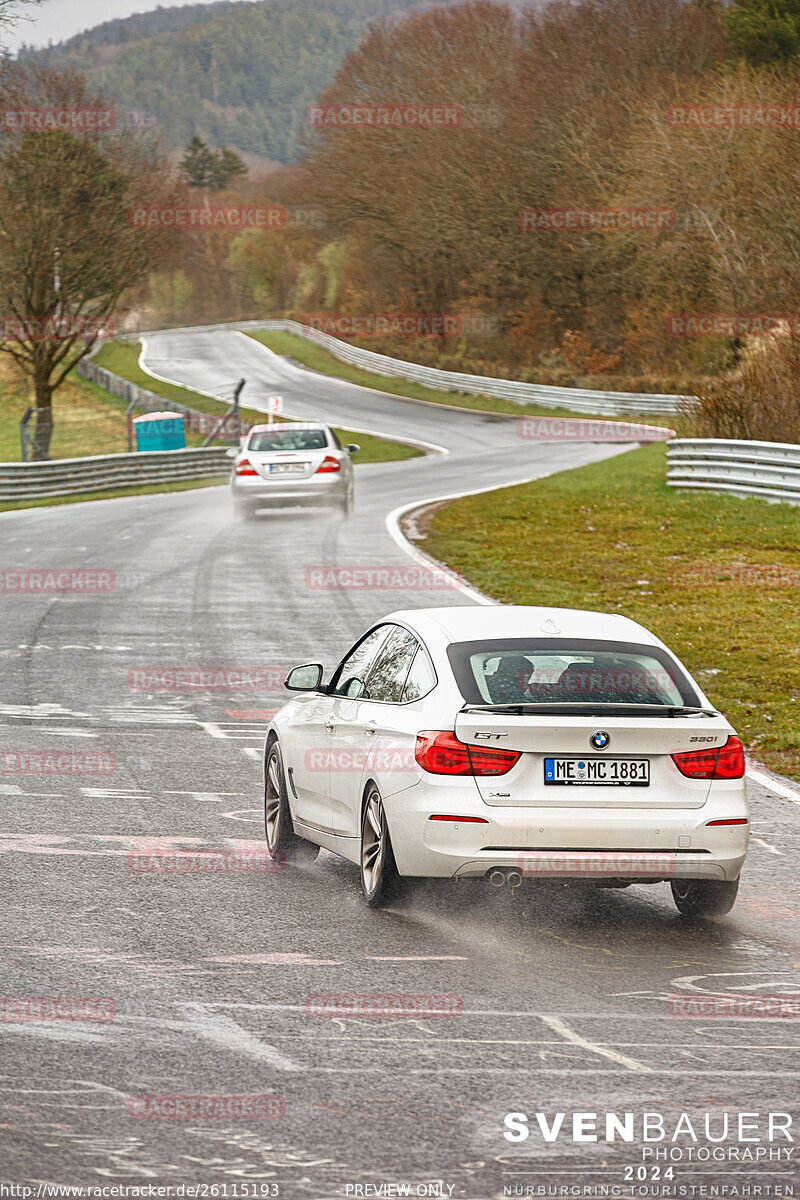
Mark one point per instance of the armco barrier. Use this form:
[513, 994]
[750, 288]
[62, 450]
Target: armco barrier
[767, 469]
[130, 392]
[579, 400]
[103, 472]
[139, 397]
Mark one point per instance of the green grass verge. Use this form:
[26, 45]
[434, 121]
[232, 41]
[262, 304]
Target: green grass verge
[87, 421]
[316, 359]
[123, 359]
[182, 485]
[613, 536]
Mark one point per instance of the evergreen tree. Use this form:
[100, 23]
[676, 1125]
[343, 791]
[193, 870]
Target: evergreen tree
[197, 166]
[764, 31]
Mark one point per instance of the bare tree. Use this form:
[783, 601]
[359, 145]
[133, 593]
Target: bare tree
[10, 15]
[68, 248]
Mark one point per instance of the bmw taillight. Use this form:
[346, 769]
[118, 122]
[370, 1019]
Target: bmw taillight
[245, 467]
[441, 753]
[329, 463]
[724, 763]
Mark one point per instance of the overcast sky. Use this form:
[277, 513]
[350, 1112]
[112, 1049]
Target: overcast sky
[58, 19]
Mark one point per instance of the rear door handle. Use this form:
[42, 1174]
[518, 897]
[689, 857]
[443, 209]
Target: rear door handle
[370, 728]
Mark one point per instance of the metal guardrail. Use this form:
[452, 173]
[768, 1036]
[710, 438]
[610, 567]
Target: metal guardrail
[770, 470]
[581, 400]
[103, 472]
[228, 426]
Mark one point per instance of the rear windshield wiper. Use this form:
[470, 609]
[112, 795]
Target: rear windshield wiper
[580, 708]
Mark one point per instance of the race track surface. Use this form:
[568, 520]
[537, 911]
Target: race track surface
[563, 987]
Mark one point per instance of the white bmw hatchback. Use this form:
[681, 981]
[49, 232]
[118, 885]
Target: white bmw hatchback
[510, 742]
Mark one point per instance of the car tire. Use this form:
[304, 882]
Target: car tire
[243, 510]
[380, 882]
[704, 897]
[347, 504]
[282, 841]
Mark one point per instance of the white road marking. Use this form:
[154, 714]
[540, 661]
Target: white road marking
[773, 785]
[224, 1032]
[67, 732]
[767, 846]
[417, 958]
[209, 797]
[396, 515]
[277, 959]
[212, 729]
[558, 1026]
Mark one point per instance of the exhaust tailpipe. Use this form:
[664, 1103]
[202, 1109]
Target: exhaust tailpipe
[497, 878]
[514, 879]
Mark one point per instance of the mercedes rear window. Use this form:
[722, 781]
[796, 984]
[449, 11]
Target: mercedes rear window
[562, 671]
[288, 439]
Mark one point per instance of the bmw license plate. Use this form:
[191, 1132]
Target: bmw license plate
[608, 772]
[286, 468]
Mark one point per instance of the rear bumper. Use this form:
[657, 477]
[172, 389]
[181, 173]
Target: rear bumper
[320, 489]
[596, 844]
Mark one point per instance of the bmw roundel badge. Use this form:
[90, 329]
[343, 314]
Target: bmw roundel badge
[600, 739]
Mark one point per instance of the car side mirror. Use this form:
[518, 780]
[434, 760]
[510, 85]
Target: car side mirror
[232, 453]
[305, 679]
[355, 689]
[353, 448]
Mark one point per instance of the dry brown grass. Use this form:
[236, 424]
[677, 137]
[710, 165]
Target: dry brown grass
[760, 400]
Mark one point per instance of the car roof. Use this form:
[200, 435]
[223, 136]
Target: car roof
[280, 426]
[470, 622]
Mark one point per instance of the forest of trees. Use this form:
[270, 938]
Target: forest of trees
[686, 109]
[234, 74]
[589, 97]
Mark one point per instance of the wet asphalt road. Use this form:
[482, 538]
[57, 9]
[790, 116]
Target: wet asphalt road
[563, 988]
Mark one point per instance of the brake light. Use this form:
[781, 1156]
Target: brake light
[245, 467]
[724, 763]
[460, 820]
[729, 821]
[329, 463]
[441, 753]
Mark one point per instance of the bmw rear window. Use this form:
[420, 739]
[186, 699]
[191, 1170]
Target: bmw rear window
[561, 671]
